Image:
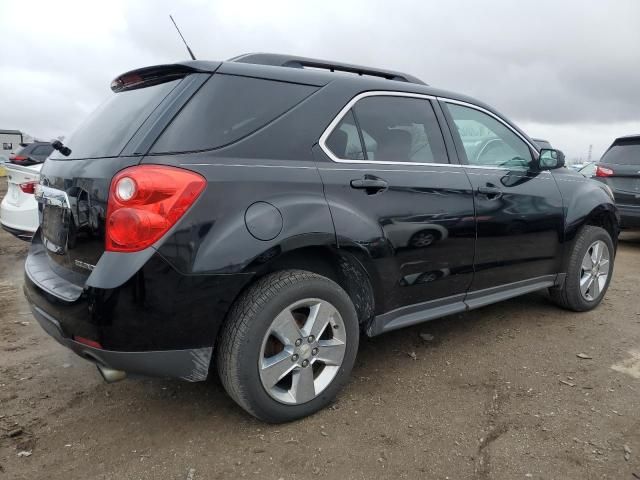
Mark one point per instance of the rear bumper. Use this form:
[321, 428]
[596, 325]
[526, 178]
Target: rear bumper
[629, 216]
[155, 322]
[21, 234]
[189, 364]
[23, 218]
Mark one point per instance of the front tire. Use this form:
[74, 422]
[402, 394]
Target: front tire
[589, 271]
[288, 345]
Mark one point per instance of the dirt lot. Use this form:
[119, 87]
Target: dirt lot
[499, 393]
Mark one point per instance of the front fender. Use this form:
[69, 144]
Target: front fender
[586, 202]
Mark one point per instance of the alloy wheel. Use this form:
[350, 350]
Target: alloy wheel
[594, 270]
[302, 351]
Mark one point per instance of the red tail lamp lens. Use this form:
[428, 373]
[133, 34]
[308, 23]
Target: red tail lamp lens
[28, 187]
[603, 171]
[145, 202]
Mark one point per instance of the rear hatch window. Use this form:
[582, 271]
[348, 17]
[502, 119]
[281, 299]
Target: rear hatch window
[107, 130]
[228, 108]
[623, 153]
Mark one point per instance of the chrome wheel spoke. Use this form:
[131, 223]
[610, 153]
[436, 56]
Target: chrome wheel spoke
[302, 387]
[595, 253]
[585, 283]
[587, 263]
[331, 352]
[285, 328]
[319, 316]
[275, 368]
[594, 290]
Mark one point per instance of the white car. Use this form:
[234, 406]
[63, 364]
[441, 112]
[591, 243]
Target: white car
[19, 209]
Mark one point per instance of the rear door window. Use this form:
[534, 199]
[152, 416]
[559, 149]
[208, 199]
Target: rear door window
[344, 142]
[226, 109]
[393, 128]
[107, 130]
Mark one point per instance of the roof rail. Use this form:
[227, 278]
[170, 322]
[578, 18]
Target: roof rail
[279, 60]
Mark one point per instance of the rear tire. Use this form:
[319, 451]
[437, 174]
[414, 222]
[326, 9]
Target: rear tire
[591, 259]
[263, 329]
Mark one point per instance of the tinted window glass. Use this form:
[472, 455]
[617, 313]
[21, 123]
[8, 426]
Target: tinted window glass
[42, 150]
[226, 109]
[624, 154]
[400, 129]
[344, 141]
[106, 132]
[487, 141]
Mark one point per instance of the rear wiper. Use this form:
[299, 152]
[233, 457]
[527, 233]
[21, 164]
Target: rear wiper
[58, 145]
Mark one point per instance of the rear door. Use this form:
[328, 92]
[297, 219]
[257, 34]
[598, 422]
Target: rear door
[519, 208]
[394, 195]
[620, 169]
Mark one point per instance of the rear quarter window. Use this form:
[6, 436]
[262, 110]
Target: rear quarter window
[226, 109]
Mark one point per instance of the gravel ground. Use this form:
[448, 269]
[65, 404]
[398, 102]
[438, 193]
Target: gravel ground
[498, 393]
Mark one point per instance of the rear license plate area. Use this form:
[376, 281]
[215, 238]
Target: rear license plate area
[55, 228]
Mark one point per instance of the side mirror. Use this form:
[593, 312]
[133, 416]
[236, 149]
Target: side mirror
[550, 159]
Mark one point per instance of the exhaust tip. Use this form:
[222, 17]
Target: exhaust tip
[110, 375]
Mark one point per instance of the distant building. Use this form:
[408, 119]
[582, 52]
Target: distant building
[10, 140]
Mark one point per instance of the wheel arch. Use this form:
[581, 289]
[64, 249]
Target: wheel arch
[604, 216]
[339, 265]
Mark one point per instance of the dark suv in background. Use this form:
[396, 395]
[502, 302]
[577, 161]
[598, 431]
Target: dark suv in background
[257, 215]
[619, 168]
[32, 154]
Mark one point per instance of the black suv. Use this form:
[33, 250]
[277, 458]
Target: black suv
[619, 168]
[257, 215]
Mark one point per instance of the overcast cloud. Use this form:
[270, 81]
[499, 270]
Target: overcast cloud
[567, 71]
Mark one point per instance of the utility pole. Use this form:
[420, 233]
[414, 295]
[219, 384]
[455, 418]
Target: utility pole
[589, 156]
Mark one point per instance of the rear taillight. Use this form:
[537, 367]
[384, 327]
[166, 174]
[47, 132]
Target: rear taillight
[145, 202]
[28, 187]
[603, 171]
[18, 159]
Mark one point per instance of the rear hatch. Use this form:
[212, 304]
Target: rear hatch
[619, 168]
[74, 189]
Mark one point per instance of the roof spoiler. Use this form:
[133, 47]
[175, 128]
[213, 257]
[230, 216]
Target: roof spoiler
[279, 60]
[147, 76]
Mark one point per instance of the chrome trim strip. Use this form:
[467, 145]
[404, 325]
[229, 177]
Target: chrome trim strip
[383, 93]
[51, 196]
[244, 165]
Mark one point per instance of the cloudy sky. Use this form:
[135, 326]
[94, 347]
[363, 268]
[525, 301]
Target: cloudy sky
[568, 71]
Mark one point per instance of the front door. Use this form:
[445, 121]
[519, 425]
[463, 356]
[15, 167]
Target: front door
[519, 214]
[394, 195]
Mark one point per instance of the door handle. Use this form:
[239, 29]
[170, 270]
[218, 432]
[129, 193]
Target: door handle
[371, 185]
[490, 192]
